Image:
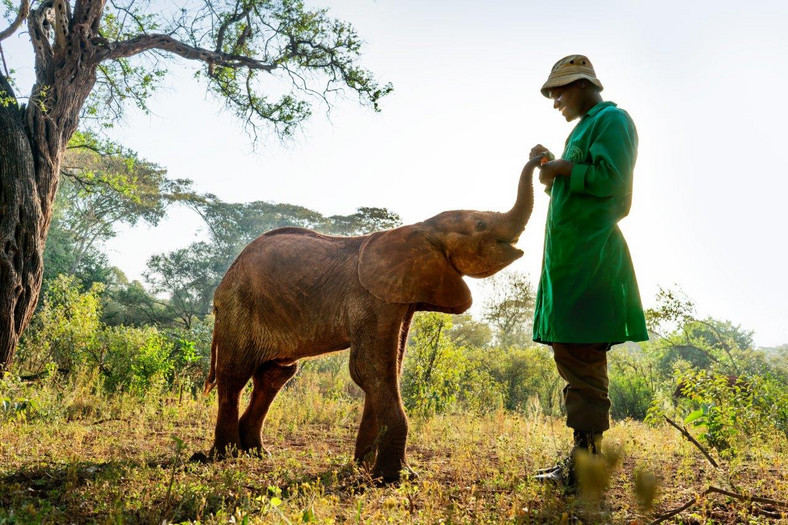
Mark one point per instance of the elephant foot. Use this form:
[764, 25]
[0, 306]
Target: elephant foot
[394, 472]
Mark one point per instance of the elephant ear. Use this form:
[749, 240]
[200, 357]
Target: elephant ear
[402, 266]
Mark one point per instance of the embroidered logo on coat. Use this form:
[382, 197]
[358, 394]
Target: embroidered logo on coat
[574, 154]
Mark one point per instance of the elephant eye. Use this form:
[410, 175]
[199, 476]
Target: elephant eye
[481, 226]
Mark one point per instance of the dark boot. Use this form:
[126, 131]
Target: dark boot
[588, 441]
[563, 473]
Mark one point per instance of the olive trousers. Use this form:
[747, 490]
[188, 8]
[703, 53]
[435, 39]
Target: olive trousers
[584, 368]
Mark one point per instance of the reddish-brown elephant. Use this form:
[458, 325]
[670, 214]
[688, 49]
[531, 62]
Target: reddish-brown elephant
[294, 293]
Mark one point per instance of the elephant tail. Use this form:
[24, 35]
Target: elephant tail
[210, 382]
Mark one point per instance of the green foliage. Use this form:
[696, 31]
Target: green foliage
[509, 308]
[65, 329]
[468, 332]
[135, 359]
[434, 366]
[188, 276]
[301, 45]
[440, 375]
[130, 304]
[67, 334]
[733, 414]
[269, 62]
[103, 186]
[682, 337]
[634, 382]
[526, 376]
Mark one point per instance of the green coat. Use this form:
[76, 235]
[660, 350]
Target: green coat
[588, 292]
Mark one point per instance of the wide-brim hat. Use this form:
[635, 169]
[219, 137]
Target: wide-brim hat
[568, 70]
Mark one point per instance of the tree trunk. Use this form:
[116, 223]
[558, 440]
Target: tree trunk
[32, 141]
[21, 234]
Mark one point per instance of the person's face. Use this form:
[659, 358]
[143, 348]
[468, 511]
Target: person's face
[569, 100]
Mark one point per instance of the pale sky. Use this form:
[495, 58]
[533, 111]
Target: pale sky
[704, 82]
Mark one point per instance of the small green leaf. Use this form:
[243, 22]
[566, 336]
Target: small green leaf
[695, 415]
[275, 502]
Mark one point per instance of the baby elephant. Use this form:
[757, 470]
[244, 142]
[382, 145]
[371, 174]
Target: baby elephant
[293, 293]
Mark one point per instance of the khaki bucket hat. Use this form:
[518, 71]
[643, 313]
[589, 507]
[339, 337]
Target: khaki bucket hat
[569, 69]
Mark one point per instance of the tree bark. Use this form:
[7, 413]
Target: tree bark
[32, 141]
[21, 236]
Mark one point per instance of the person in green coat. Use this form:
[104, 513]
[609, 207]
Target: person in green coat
[588, 298]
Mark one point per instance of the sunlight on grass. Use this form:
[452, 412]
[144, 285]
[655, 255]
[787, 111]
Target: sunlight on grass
[75, 455]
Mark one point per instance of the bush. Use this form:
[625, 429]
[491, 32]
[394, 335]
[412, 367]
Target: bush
[67, 334]
[633, 383]
[526, 375]
[433, 366]
[64, 329]
[731, 416]
[135, 359]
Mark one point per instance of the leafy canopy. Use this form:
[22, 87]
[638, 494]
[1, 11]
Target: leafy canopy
[268, 61]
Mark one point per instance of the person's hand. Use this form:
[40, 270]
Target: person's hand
[538, 151]
[552, 169]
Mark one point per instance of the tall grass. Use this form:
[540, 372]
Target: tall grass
[71, 451]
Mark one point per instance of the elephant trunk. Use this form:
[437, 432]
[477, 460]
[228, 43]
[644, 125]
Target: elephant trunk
[514, 220]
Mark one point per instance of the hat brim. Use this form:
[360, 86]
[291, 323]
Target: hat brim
[563, 80]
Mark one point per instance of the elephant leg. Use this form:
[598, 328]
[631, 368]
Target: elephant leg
[374, 366]
[403, 339]
[267, 380]
[367, 434]
[393, 434]
[226, 437]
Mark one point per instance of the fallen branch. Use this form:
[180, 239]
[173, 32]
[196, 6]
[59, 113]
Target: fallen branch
[756, 499]
[663, 517]
[693, 441]
[717, 490]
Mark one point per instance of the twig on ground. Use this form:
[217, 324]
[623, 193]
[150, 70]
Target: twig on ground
[663, 517]
[694, 441]
[756, 499]
[717, 490]
[107, 420]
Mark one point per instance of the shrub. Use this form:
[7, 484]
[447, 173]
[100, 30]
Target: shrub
[633, 383]
[731, 416]
[524, 375]
[67, 334]
[64, 329]
[433, 366]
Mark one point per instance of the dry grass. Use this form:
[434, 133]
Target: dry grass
[81, 457]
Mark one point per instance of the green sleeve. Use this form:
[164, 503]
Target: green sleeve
[612, 151]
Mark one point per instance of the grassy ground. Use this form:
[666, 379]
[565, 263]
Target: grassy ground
[70, 456]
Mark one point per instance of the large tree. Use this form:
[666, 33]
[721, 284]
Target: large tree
[103, 185]
[92, 58]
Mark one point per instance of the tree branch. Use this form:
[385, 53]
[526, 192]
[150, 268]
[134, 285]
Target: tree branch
[711, 490]
[162, 42]
[38, 25]
[226, 24]
[5, 87]
[62, 13]
[24, 10]
[693, 441]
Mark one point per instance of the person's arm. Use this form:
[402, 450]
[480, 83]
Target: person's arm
[613, 153]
